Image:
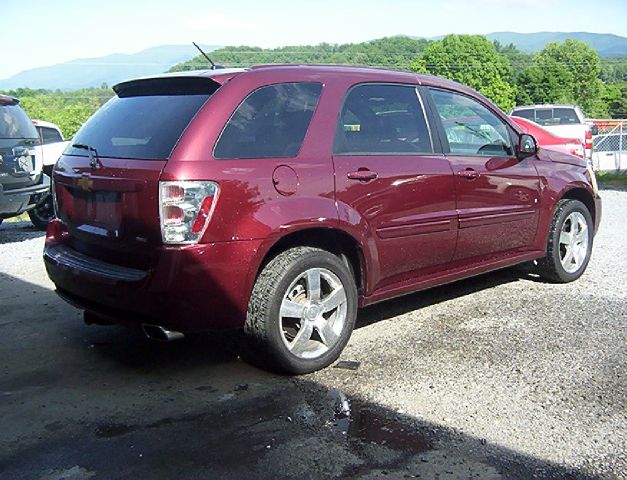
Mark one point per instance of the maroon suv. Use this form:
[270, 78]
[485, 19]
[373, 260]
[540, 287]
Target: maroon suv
[280, 199]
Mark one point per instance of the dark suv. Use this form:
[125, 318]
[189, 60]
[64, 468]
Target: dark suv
[22, 183]
[280, 199]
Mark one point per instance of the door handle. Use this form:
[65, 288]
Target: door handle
[362, 175]
[468, 174]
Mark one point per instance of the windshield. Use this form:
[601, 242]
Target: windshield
[14, 123]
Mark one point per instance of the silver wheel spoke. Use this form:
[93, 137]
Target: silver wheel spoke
[313, 284]
[326, 332]
[334, 299]
[300, 342]
[574, 242]
[568, 258]
[582, 234]
[291, 309]
[579, 254]
[566, 238]
[312, 296]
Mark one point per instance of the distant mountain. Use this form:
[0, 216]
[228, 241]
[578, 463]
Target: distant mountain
[92, 72]
[606, 44]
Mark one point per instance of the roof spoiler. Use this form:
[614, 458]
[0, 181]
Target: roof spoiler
[180, 85]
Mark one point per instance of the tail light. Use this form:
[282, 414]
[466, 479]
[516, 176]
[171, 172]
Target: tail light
[588, 142]
[185, 208]
[55, 230]
[576, 149]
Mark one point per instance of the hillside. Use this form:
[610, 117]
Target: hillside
[605, 43]
[110, 69]
[396, 52]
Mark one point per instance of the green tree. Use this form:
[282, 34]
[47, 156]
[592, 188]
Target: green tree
[395, 52]
[564, 73]
[69, 110]
[473, 61]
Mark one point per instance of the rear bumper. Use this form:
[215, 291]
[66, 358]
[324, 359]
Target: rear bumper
[189, 289]
[14, 202]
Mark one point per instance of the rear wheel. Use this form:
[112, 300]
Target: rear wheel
[301, 312]
[569, 244]
[41, 215]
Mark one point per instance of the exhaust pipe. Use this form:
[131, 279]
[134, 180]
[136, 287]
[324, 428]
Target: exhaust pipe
[157, 332]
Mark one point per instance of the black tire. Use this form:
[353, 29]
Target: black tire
[41, 215]
[264, 343]
[550, 267]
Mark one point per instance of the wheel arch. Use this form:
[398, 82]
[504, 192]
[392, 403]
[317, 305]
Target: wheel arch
[333, 240]
[584, 196]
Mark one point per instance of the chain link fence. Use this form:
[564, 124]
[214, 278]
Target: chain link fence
[609, 145]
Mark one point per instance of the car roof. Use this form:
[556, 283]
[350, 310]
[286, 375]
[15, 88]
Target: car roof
[43, 123]
[546, 105]
[6, 100]
[221, 75]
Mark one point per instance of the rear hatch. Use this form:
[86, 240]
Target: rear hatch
[107, 181]
[20, 166]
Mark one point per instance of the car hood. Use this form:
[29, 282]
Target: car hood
[560, 157]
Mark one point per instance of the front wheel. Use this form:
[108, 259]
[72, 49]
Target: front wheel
[569, 244]
[41, 215]
[301, 312]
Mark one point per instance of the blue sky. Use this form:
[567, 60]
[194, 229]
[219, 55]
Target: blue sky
[42, 32]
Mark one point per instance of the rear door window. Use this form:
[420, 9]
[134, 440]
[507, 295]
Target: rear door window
[382, 119]
[145, 120]
[271, 122]
[14, 123]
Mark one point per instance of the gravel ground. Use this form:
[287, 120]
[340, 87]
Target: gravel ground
[500, 376]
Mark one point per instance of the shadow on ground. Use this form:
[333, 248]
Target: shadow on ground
[17, 231]
[81, 402]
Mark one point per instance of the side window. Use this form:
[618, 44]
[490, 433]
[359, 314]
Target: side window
[382, 119]
[270, 122]
[50, 135]
[471, 129]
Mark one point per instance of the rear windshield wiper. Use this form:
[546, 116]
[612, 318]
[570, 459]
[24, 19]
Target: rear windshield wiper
[91, 151]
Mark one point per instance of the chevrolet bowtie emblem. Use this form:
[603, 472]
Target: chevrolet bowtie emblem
[86, 183]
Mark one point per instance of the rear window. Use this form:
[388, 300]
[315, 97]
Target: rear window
[49, 135]
[526, 113]
[14, 123]
[271, 122]
[145, 120]
[549, 116]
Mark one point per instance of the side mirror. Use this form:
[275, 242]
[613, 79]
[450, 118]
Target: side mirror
[527, 146]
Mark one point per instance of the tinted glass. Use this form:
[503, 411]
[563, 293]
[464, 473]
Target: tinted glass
[270, 122]
[50, 135]
[138, 127]
[14, 123]
[556, 116]
[565, 116]
[382, 119]
[525, 113]
[471, 129]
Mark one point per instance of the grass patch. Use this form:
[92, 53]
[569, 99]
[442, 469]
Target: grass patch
[21, 218]
[616, 179]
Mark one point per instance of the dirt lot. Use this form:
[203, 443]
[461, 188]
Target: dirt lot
[500, 376]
